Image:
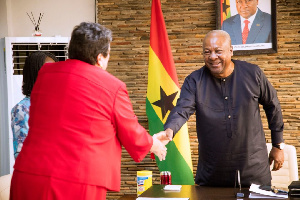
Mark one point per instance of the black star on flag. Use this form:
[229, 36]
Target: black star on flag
[165, 102]
[225, 6]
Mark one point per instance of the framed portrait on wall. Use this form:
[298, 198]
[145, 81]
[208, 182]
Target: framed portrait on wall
[251, 25]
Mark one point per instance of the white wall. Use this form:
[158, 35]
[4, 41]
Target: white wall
[3, 19]
[60, 16]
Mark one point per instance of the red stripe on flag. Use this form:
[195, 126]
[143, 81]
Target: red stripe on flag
[159, 40]
[221, 11]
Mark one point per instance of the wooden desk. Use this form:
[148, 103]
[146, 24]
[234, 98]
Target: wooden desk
[194, 193]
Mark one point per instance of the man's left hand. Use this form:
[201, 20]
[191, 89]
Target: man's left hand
[276, 155]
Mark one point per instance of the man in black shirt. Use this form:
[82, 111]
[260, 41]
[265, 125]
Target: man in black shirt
[225, 94]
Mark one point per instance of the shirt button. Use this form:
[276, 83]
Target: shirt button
[229, 116]
[224, 80]
[226, 98]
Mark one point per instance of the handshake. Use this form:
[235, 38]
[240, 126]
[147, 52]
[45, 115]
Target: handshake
[160, 140]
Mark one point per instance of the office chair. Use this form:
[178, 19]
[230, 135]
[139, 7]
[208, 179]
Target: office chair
[5, 187]
[289, 171]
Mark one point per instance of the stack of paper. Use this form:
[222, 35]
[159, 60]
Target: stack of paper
[259, 193]
[172, 187]
[166, 188]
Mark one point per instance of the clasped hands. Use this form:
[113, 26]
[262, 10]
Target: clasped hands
[160, 140]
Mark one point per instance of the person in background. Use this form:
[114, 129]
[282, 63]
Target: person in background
[80, 117]
[20, 112]
[250, 25]
[225, 94]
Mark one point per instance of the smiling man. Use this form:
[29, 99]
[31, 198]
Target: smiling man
[250, 25]
[225, 95]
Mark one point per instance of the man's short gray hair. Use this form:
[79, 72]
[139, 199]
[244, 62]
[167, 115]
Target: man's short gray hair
[219, 33]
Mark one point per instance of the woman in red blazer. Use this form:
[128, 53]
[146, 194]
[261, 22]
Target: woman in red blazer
[80, 116]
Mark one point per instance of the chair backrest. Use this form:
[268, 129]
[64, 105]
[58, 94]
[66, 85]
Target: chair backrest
[5, 187]
[289, 171]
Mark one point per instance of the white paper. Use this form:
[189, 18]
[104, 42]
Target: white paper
[259, 193]
[261, 196]
[173, 187]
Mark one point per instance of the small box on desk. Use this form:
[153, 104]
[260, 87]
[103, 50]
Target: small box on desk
[294, 188]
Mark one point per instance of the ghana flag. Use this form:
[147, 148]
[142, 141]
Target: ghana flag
[162, 94]
[225, 10]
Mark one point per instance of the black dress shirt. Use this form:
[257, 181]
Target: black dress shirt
[228, 121]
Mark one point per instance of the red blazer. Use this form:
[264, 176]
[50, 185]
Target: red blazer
[80, 115]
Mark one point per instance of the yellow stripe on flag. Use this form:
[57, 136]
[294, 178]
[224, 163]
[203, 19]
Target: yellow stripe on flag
[158, 77]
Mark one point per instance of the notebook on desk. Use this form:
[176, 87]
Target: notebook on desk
[256, 191]
[294, 188]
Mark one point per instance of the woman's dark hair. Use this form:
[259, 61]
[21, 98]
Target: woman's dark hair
[33, 64]
[88, 40]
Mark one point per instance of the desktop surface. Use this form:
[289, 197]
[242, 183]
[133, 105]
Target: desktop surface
[195, 193]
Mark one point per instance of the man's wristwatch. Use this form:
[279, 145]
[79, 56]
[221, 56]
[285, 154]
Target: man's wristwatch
[279, 146]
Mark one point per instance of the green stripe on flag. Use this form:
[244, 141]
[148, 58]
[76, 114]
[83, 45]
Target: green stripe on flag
[184, 175]
[156, 125]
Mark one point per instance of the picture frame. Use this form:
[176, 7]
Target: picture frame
[262, 37]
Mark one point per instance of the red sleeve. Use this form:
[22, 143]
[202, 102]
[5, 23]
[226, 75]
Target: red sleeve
[131, 134]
